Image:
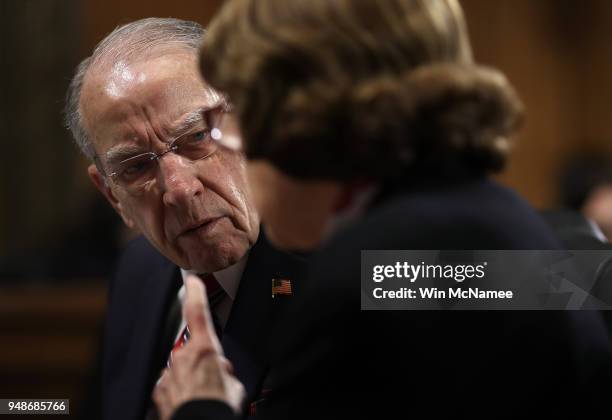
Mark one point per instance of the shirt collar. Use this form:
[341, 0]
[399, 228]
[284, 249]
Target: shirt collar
[228, 278]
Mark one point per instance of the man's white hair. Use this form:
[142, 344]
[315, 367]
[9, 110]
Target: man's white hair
[128, 42]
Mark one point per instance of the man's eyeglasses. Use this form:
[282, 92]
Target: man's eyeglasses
[199, 143]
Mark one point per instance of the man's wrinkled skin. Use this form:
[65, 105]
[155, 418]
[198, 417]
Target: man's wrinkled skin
[198, 214]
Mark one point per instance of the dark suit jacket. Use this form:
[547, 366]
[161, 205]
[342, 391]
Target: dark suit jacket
[340, 362]
[573, 230]
[395, 364]
[141, 294]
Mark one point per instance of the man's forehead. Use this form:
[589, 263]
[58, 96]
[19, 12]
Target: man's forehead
[162, 89]
[168, 93]
[124, 78]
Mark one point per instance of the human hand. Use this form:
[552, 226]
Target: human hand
[199, 369]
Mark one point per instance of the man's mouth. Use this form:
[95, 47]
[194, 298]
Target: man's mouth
[202, 226]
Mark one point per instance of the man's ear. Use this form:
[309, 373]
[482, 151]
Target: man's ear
[100, 183]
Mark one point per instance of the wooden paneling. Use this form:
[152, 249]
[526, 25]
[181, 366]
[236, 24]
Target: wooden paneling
[556, 52]
[49, 336]
[101, 16]
[558, 55]
[38, 50]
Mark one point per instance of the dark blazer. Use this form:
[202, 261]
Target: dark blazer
[345, 363]
[136, 345]
[573, 230]
[341, 362]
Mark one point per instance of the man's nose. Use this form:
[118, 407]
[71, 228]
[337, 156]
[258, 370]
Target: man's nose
[178, 180]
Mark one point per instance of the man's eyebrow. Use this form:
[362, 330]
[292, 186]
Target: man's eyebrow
[190, 120]
[122, 152]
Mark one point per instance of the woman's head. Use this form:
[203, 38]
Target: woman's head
[338, 89]
[342, 90]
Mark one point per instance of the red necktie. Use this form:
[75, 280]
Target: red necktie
[215, 294]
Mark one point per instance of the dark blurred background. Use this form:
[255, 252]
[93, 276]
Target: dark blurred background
[58, 239]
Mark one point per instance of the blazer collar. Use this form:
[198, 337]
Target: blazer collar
[144, 352]
[246, 337]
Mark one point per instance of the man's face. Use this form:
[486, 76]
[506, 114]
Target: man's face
[197, 213]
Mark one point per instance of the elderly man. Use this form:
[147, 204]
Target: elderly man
[140, 112]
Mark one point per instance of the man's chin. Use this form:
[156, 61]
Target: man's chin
[216, 260]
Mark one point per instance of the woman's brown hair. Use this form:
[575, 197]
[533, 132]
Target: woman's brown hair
[341, 89]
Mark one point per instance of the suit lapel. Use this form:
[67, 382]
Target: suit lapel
[144, 350]
[246, 337]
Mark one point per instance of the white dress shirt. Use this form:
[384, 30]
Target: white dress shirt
[229, 280]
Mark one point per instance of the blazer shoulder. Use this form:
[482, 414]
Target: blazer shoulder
[476, 215]
[139, 259]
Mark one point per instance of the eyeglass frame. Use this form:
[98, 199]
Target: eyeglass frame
[215, 133]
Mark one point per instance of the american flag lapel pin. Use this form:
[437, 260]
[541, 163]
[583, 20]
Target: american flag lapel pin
[281, 287]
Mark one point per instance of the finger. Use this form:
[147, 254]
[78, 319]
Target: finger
[161, 398]
[236, 395]
[196, 313]
[195, 305]
[226, 365]
[164, 375]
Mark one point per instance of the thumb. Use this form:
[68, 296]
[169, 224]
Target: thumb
[196, 313]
